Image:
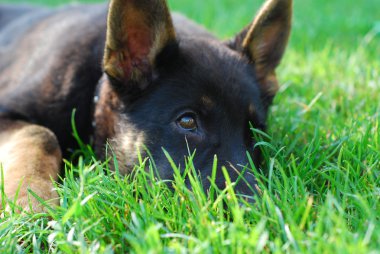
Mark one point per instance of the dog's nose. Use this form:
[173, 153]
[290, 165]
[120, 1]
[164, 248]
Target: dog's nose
[241, 175]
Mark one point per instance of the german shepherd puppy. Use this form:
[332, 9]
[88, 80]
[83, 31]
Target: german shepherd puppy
[139, 79]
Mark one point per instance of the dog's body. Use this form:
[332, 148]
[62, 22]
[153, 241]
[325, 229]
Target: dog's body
[165, 82]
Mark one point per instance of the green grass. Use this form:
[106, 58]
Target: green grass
[320, 185]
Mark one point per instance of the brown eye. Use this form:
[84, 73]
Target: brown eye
[187, 122]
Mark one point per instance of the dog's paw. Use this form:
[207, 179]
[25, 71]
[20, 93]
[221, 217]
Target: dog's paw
[29, 204]
[36, 198]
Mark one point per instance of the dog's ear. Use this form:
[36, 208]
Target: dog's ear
[264, 42]
[137, 30]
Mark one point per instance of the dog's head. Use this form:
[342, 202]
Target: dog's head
[181, 92]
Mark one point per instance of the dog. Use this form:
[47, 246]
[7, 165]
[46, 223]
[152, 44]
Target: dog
[141, 79]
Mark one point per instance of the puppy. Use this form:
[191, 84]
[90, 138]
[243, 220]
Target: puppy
[140, 79]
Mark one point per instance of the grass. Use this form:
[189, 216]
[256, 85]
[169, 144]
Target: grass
[319, 186]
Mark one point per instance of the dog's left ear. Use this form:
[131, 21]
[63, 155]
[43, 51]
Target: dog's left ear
[137, 31]
[264, 42]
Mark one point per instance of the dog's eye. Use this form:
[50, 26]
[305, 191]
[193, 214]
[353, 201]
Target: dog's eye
[187, 122]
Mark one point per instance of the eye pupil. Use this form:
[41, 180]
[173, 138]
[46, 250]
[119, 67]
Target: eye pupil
[187, 123]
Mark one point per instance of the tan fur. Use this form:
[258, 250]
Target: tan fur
[251, 109]
[106, 116]
[127, 145]
[31, 158]
[125, 141]
[208, 102]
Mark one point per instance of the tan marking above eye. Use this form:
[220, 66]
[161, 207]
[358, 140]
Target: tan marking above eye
[207, 102]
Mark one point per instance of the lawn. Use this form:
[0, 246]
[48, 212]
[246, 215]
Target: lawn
[320, 183]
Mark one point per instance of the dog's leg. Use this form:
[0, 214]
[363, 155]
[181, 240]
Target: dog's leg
[30, 158]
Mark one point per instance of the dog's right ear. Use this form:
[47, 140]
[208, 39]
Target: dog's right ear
[264, 42]
[137, 31]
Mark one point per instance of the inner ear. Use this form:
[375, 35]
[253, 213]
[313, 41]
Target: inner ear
[265, 40]
[137, 30]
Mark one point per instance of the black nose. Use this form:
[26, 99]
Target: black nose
[245, 182]
[242, 178]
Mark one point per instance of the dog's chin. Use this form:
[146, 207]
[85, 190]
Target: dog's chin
[127, 146]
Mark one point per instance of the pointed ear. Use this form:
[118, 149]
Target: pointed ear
[137, 31]
[264, 42]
